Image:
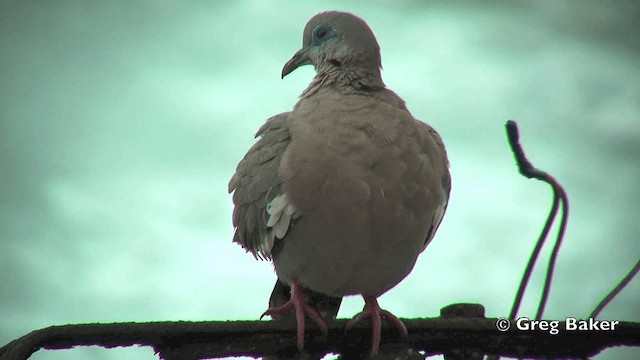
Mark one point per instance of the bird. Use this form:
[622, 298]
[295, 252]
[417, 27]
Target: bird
[343, 192]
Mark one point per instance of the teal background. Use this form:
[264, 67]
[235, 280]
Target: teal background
[122, 122]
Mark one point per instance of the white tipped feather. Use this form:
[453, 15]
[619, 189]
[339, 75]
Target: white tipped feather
[289, 209]
[280, 211]
[280, 229]
[273, 219]
[267, 244]
[277, 204]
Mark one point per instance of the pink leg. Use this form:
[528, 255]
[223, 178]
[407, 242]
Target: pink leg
[372, 310]
[298, 304]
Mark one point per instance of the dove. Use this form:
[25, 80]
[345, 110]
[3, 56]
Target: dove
[344, 191]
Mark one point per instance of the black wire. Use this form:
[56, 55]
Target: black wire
[561, 194]
[533, 258]
[607, 299]
[528, 170]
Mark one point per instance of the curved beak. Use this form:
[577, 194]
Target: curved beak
[300, 58]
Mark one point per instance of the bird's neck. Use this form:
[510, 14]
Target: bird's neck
[347, 81]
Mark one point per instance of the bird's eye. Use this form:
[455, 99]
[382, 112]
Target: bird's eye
[321, 33]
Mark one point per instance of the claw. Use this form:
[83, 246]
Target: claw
[298, 304]
[372, 310]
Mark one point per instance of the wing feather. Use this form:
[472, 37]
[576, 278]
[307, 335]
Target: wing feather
[430, 136]
[262, 211]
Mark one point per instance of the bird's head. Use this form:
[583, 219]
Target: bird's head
[338, 43]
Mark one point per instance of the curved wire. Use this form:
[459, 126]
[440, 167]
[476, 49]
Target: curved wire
[616, 290]
[559, 195]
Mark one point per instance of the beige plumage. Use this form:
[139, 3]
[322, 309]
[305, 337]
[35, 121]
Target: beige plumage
[346, 190]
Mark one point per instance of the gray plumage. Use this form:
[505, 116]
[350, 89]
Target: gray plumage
[347, 189]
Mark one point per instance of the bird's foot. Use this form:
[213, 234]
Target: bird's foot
[372, 310]
[298, 304]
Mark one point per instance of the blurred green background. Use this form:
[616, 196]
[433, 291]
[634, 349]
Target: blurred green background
[121, 123]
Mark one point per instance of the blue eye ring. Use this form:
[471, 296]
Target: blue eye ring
[321, 33]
